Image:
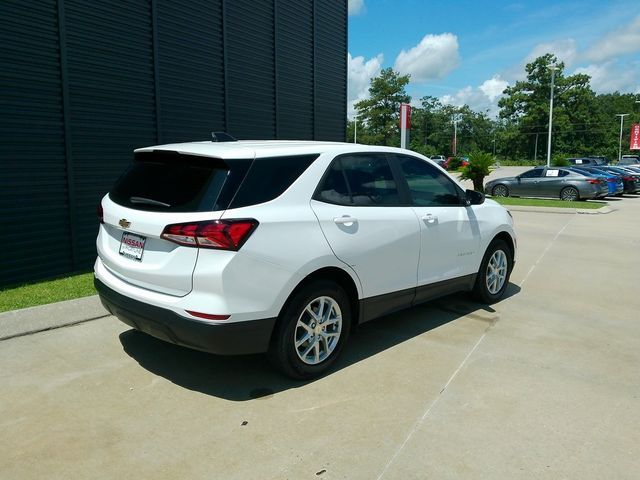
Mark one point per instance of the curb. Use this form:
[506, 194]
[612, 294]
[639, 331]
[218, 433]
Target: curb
[27, 321]
[567, 211]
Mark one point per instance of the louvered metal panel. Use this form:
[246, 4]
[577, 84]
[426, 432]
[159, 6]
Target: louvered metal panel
[249, 41]
[294, 68]
[330, 27]
[84, 83]
[34, 231]
[191, 69]
[112, 100]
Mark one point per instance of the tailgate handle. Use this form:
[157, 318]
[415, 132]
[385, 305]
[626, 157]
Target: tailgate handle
[347, 221]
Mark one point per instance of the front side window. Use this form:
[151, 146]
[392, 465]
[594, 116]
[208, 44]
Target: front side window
[428, 186]
[359, 180]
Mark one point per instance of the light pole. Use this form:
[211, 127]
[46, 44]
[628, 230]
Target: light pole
[455, 135]
[553, 76]
[355, 129]
[621, 115]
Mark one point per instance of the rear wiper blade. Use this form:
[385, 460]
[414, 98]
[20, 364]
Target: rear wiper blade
[148, 201]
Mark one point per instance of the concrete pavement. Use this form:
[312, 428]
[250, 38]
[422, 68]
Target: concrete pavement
[544, 385]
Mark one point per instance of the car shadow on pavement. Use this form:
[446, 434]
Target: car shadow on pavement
[247, 377]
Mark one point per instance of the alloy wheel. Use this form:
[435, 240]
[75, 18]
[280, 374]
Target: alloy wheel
[500, 191]
[496, 271]
[569, 194]
[318, 330]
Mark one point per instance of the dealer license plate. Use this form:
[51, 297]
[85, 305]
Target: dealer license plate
[132, 246]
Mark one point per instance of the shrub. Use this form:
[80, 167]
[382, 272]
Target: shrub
[479, 167]
[455, 163]
[559, 161]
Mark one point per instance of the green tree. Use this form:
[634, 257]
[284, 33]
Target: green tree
[525, 106]
[609, 105]
[380, 112]
[432, 128]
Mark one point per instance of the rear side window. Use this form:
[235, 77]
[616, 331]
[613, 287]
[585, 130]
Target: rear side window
[268, 178]
[172, 182]
[359, 180]
[535, 173]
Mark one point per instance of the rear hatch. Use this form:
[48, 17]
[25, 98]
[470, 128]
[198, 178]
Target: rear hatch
[162, 188]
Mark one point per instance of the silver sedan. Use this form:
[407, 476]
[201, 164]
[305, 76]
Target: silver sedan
[549, 182]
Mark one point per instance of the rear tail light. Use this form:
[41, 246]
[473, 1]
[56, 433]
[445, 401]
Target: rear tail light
[100, 213]
[217, 234]
[628, 179]
[593, 181]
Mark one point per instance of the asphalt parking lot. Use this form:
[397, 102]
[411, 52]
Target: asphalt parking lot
[545, 384]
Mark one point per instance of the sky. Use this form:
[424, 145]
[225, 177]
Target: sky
[467, 52]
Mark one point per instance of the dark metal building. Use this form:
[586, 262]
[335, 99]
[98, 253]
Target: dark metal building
[84, 83]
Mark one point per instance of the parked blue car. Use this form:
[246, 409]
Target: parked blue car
[628, 180]
[614, 182]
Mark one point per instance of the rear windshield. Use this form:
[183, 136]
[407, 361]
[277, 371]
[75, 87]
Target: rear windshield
[171, 182]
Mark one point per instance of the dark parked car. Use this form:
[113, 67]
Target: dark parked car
[549, 182]
[592, 161]
[630, 180]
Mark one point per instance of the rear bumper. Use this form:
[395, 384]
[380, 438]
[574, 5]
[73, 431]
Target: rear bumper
[234, 338]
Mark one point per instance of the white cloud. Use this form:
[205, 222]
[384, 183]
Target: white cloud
[434, 57]
[483, 98]
[360, 73]
[565, 50]
[356, 7]
[493, 87]
[621, 41]
[612, 76]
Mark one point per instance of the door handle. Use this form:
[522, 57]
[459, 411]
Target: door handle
[429, 218]
[346, 221]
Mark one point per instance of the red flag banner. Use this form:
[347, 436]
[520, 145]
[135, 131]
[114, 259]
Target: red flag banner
[405, 115]
[635, 137]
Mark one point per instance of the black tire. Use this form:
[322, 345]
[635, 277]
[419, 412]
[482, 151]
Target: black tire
[569, 194]
[481, 289]
[283, 352]
[500, 190]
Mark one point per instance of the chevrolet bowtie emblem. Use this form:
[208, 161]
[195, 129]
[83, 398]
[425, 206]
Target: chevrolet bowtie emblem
[124, 223]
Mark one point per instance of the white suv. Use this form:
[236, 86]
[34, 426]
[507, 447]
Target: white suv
[283, 247]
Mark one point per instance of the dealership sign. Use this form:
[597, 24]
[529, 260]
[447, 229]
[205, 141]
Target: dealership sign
[405, 124]
[635, 137]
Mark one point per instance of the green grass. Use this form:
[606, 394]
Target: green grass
[538, 202]
[48, 291]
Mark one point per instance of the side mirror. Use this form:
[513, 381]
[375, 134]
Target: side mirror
[473, 198]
